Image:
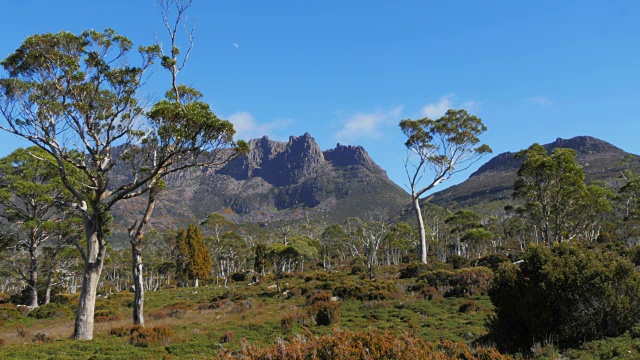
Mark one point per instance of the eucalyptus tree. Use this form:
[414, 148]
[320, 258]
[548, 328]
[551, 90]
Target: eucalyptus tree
[334, 242]
[557, 201]
[365, 237]
[442, 148]
[33, 200]
[75, 97]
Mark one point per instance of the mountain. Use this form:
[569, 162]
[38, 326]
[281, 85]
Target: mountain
[275, 181]
[490, 188]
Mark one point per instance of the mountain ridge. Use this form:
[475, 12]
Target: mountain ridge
[276, 181]
[492, 183]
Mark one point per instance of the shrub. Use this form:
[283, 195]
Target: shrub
[319, 296]
[22, 332]
[9, 312]
[296, 291]
[492, 261]
[344, 344]
[461, 282]
[145, 337]
[3, 342]
[239, 276]
[366, 289]
[106, 308]
[287, 322]
[566, 294]
[175, 310]
[60, 299]
[220, 303]
[120, 331]
[23, 310]
[228, 337]
[50, 311]
[458, 262]
[358, 268]
[42, 338]
[4, 298]
[243, 306]
[325, 313]
[468, 306]
[429, 293]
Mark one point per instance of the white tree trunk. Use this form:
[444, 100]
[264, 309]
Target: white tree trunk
[423, 234]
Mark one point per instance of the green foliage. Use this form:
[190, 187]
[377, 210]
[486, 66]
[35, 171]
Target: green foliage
[492, 261]
[200, 260]
[50, 311]
[192, 257]
[556, 198]
[9, 312]
[458, 261]
[564, 293]
[260, 261]
[463, 282]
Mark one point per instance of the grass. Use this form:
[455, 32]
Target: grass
[199, 329]
[207, 320]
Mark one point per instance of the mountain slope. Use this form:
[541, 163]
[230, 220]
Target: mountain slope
[275, 181]
[489, 188]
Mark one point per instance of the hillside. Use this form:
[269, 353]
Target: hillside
[276, 181]
[490, 188]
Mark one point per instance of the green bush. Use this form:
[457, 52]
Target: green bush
[566, 294]
[492, 261]
[458, 262]
[4, 298]
[9, 312]
[459, 283]
[325, 313]
[364, 289]
[145, 337]
[239, 276]
[50, 311]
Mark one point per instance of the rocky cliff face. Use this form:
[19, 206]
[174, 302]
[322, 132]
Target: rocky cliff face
[277, 181]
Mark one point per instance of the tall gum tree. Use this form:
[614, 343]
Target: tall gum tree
[183, 130]
[442, 148]
[75, 97]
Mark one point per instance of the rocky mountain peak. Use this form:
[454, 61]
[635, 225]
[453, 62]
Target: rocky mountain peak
[583, 145]
[349, 155]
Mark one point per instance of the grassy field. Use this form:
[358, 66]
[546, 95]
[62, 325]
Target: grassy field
[216, 321]
[209, 318]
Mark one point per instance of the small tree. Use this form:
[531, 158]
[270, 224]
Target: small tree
[199, 259]
[182, 256]
[443, 147]
[34, 200]
[193, 261]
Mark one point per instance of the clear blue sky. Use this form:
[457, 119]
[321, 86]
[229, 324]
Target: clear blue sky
[348, 71]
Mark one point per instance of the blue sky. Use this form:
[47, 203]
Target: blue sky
[349, 71]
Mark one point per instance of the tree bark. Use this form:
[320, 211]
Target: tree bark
[423, 234]
[33, 277]
[135, 238]
[138, 281]
[93, 264]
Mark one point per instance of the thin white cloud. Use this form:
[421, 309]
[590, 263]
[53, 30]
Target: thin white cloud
[540, 100]
[472, 106]
[436, 110]
[236, 46]
[367, 125]
[247, 127]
